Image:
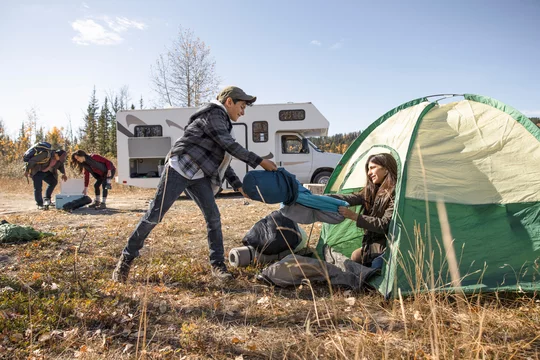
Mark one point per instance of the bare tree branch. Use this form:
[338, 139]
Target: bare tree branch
[185, 75]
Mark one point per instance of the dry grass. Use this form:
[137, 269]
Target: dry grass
[57, 302]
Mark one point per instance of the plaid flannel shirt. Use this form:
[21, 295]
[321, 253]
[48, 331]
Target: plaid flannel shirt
[206, 139]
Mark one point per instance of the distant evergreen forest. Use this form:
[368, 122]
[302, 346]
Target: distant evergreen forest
[336, 143]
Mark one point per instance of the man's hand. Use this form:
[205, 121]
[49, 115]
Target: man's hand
[243, 193]
[348, 213]
[64, 178]
[268, 165]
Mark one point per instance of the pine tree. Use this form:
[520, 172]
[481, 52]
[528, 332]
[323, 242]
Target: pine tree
[40, 134]
[112, 126]
[102, 139]
[141, 103]
[89, 130]
[24, 139]
[5, 142]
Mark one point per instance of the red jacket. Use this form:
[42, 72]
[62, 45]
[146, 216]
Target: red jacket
[97, 171]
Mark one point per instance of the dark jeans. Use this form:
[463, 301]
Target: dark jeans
[171, 185]
[38, 179]
[102, 182]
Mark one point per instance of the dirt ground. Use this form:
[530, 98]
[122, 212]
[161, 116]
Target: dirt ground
[125, 208]
[57, 300]
[23, 203]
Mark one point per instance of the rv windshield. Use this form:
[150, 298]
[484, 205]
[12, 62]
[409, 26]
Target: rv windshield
[314, 146]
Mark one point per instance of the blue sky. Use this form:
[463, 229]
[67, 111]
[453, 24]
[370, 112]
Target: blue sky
[354, 60]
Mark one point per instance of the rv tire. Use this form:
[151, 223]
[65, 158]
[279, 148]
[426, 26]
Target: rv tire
[322, 177]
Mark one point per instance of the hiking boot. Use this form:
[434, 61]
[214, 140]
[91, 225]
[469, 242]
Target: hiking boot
[94, 205]
[121, 272]
[100, 206]
[220, 272]
[40, 207]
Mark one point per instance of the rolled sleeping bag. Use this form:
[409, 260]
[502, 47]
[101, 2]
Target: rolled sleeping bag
[75, 204]
[273, 234]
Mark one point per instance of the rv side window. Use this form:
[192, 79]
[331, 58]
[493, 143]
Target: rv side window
[148, 130]
[260, 131]
[291, 144]
[292, 115]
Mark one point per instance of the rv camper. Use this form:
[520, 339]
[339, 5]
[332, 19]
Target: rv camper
[278, 132]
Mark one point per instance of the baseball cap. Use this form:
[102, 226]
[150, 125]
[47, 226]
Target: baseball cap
[236, 94]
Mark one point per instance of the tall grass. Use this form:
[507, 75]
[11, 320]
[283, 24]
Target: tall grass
[173, 309]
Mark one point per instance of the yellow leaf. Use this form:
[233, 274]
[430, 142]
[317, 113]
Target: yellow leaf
[252, 347]
[236, 340]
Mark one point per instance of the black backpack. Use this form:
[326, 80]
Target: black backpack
[42, 151]
[273, 234]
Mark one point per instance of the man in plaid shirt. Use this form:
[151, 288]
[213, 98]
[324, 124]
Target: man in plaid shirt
[197, 163]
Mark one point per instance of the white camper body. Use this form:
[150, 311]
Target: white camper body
[275, 131]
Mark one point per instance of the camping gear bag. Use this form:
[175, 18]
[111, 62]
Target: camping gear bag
[246, 255]
[273, 234]
[75, 204]
[335, 269]
[272, 187]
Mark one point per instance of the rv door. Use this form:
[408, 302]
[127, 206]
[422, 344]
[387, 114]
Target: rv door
[293, 153]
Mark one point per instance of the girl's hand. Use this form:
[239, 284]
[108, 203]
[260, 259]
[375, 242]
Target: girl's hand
[108, 173]
[243, 193]
[348, 213]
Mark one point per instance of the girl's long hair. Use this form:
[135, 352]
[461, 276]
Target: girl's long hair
[75, 164]
[378, 197]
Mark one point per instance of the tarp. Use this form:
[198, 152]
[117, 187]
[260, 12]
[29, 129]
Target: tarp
[15, 233]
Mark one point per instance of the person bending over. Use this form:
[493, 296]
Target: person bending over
[102, 170]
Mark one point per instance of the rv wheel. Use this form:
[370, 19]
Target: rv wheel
[322, 177]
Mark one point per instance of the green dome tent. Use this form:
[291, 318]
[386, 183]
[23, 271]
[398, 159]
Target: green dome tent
[479, 158]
